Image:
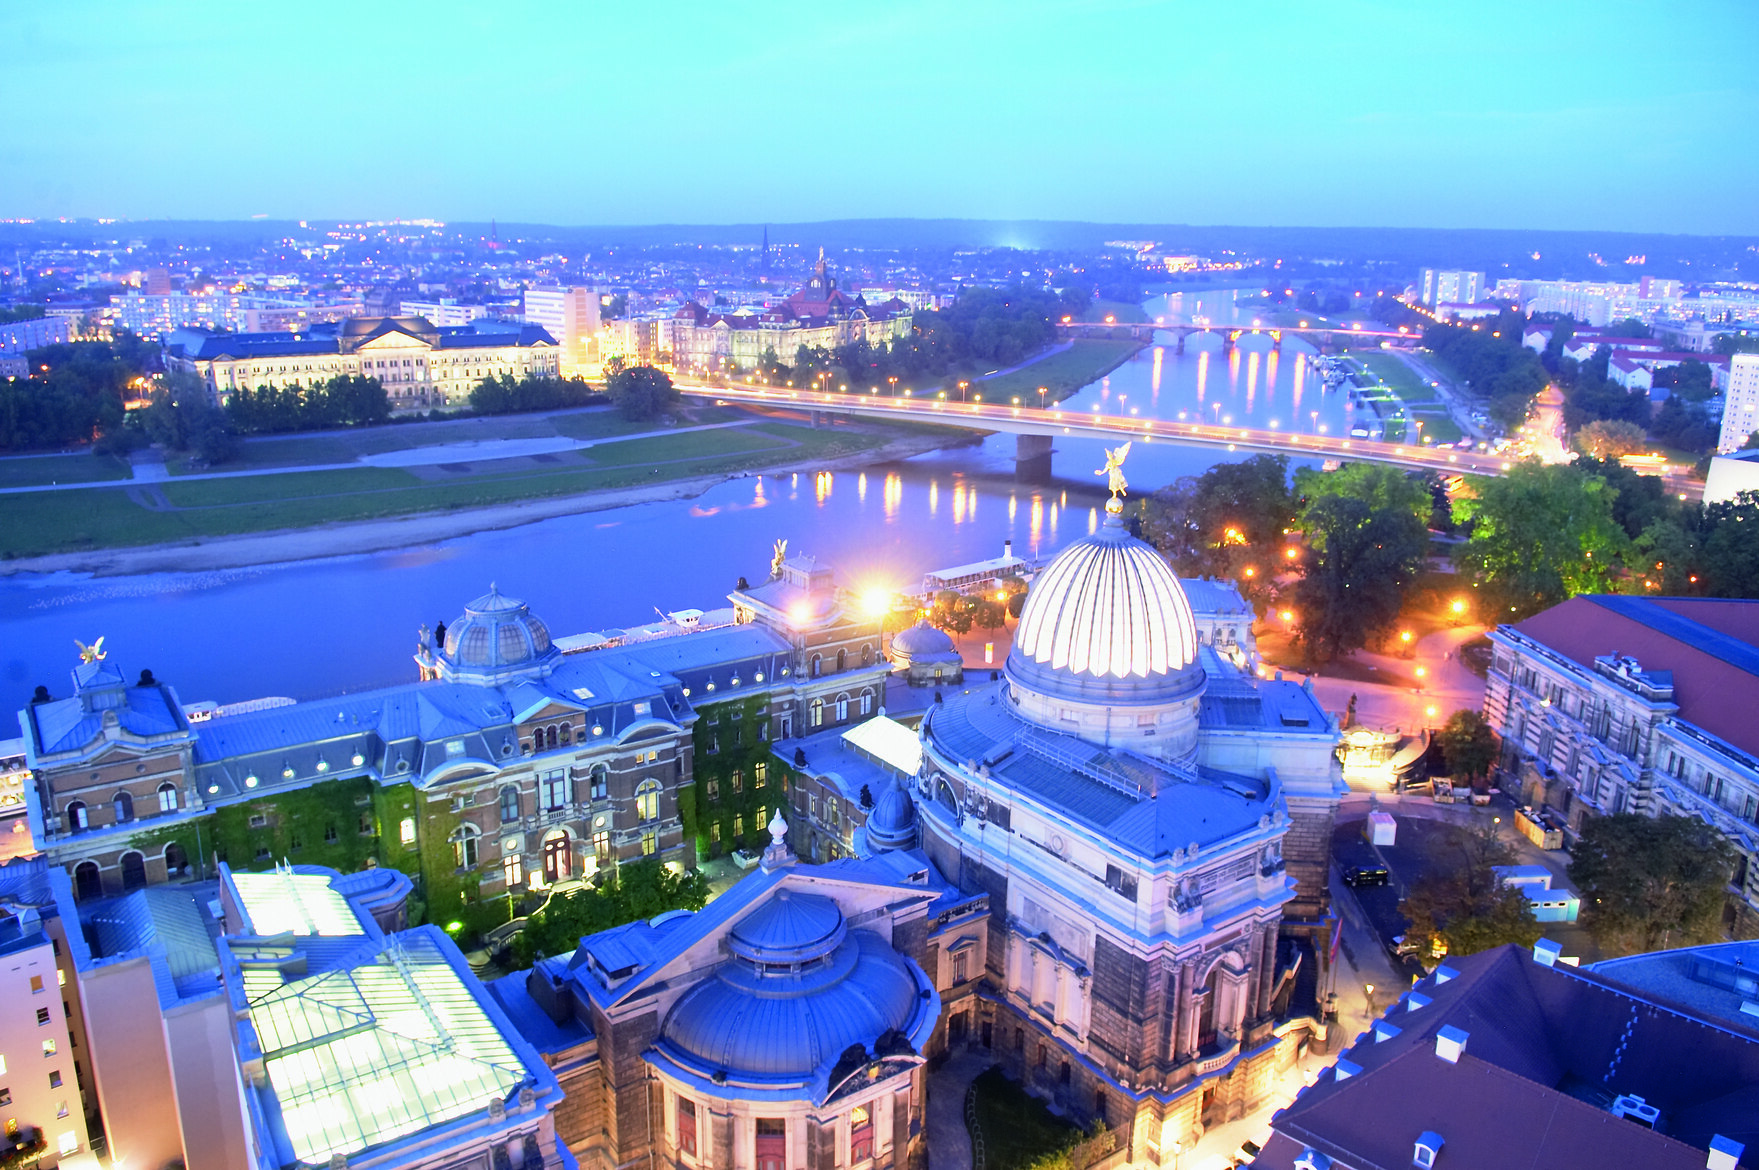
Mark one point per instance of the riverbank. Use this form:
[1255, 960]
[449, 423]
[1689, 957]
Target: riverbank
[417, 528]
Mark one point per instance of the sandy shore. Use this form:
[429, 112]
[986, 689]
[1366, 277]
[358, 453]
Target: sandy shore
[417, 528]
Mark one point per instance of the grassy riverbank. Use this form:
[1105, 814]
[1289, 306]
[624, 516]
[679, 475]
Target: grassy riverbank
[81, 519]
[1063, 372]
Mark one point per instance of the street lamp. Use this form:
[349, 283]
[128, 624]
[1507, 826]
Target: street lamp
[1369, 988]
[1042, 390]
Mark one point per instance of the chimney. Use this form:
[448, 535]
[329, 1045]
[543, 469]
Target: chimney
[1546, 952]
[1450, 1042]
[1007, 549]
[1725, 1153]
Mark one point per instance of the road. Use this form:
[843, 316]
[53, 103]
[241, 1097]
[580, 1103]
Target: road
[1031, 420]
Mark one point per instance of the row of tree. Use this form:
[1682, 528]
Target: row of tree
[76, 392]
[347, 400]
[509, 395]
[1498, 369]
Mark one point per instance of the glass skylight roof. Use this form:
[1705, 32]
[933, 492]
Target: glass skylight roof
[304, 903]
[360, 1056]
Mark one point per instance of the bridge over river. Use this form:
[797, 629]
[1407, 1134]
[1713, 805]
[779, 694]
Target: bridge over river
[1321, 337]
[1038, 427]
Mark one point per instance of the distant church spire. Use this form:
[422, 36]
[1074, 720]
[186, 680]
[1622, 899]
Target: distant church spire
[766, 249]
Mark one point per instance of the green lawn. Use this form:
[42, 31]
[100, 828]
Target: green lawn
[30, 470]
[39, 523]
[1086, 360]
[1018, 1131]
[1392, 370]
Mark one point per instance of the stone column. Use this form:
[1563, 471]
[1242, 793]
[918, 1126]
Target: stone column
[1267, 976]
[1182, 1018]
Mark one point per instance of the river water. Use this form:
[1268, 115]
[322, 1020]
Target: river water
[348, 623]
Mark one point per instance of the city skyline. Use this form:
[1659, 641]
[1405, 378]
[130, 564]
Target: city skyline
[1370, 115]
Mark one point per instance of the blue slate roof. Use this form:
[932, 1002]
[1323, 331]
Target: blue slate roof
[64, 725]
[169, 925]
[1145, 806]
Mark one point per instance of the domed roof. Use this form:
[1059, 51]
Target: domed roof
[1107, 607]
[495, 633]
[921, 640]
[892, 823]
[795, 1017]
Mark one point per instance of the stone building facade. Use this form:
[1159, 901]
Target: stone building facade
[1612, 704]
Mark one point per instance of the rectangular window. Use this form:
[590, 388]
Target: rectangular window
[513, 869]
[601, 846]
[860, 1135]
[714, 789]
[650, 843]
[5, 1096]
[714, 833]
[406, 831]
[961, 967]
[687, 1127]
[772, 1143]
[48, 1048]
[739, 826]
[762, 772]
[738, 780]
[36, 984]
[553, 789]
[42, 1016]
[55, 1079]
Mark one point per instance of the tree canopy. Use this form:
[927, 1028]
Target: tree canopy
[1361, 560]
[1609, 438]
[509, 395]
[347, 400]
[1464, 905]
[640, 889]
[1648, 883]
[1232, 518]
[1540, 535]
[642, 392]
[1468, 744]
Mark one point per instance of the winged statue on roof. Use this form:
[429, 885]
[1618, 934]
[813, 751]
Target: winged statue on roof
[777, 556]
[1114, 468]
[92, 653]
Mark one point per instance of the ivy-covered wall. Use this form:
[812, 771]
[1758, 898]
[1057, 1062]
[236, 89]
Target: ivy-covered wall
[728, 738]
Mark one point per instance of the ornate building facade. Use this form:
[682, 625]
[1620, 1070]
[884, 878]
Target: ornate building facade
[1143, 816]
[510, 766]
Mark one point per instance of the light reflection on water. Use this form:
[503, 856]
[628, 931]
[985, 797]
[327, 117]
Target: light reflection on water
[350, 622]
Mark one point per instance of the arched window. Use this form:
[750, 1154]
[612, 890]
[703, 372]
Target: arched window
[88, 883]
[176, 860]
[567, 734]
[76, 818]
[509, 804]
[134, 870]
[601, 782]
[815, 666]
[167, 797]
[842, 708]
[124, 807]
[842, 660]
[818, 713]
[647, 800]
[866, 655]
[867, 702]
[464, 846]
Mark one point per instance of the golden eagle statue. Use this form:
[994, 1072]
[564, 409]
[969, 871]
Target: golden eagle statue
[92, 653]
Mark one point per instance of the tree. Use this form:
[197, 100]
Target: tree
[1649, 883]
[1464, 905]
[642, 392]
[640, 889]
[182, 417]
[1382, 488]
[1469, 745]
[1232, 518]
[1609, 438]
[1540, 535]
[1353, 582]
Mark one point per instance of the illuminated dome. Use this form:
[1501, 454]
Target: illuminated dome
[799, 991]
[497, 637]
[1107, 608]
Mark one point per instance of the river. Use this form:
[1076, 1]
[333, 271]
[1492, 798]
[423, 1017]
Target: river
[349, 623]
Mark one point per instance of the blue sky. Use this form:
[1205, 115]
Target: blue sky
[1606, 115]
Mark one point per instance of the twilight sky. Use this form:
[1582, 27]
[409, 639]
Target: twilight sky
[1539, 114]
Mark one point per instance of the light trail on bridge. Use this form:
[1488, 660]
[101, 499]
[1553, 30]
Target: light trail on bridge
[1237, 331]
[1032, 420]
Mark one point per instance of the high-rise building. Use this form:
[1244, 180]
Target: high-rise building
[1446, 286]
[571, 314]
[1740, 417]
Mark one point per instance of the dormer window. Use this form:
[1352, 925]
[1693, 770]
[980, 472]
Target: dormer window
[1428, 1146]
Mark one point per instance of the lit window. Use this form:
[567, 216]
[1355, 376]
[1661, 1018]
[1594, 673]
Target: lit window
[739, 826]
[650, 843]
[513, 869]
[738, 780]
[647, 801]
[762, 769]
[714, 833]
[818, 713]
[48, 1048]
[601, 846]
[406, 831]
[464, 846]
[36, 984]
[860, 1134]
[69, 1143]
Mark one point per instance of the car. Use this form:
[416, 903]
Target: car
[1357, 876]
[1245, 1155]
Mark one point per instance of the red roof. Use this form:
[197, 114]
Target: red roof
[1713, 652]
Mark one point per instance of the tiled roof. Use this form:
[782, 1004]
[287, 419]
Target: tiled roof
[1547, 1050]
[1710, 645]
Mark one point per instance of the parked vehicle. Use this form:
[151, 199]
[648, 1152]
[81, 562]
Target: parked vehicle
[1357, 876]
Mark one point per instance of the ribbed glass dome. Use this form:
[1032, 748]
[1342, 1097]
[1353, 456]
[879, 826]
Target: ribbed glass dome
[496, 633]
[1107, 607]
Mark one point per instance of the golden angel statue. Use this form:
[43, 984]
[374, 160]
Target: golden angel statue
[91, 653]
[1114, 467]
[777, 556]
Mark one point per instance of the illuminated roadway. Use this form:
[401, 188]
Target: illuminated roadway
[1051, 421]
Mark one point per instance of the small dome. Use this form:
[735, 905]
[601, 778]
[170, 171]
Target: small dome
[1107, 607]
[892, 823]
[922, 639]
[753, 1022]
[496, 633]
[789, 928]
